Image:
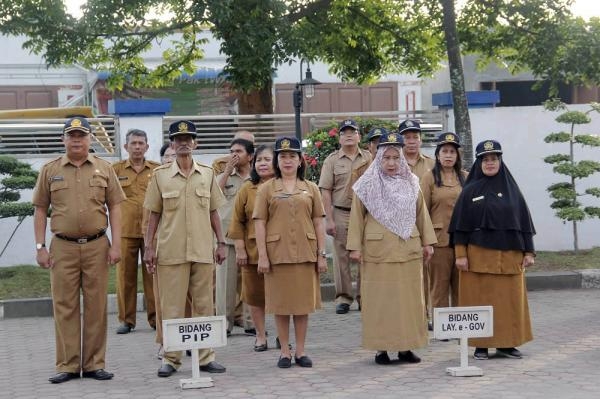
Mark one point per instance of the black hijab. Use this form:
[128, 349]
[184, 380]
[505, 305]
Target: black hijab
[491, 212]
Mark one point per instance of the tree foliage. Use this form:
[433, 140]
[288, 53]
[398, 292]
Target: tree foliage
[566, 202]
[16, 176]
[360, 40]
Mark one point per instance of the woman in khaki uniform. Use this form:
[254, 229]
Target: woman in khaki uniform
[492, 233]
[241, 229]
[390, 235]
[290, 237]
[440, 189]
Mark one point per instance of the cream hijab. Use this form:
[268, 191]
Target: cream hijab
[391, 200]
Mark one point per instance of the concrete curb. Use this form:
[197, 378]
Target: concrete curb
[42, 307]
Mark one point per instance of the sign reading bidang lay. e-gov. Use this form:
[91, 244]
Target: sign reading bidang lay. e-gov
[463, 322]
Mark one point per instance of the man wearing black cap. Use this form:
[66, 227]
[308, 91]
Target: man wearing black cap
[79, 187]
[373, 139]
[335, 184]
[184, 197]
[419, 165]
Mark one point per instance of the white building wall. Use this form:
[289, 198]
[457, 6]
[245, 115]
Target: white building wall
[521, 131]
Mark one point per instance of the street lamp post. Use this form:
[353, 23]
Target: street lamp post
[306, 86]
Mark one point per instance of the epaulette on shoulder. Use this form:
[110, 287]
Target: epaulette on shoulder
[163, 166]
[153, 163]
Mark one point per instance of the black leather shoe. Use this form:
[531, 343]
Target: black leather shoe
[512, 353]
[99, 374]
[250, 331]
[342, 308]
[429, 326]
[63, 377]
[188, 353]
[166, 370]
[284, 362]
[124, 329]
[303, 361]
[382, 358]
[213, 367]
[408, 357]
[261, 348]
[481, 354]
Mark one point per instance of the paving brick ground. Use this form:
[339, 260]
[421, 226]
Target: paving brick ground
[563, 361]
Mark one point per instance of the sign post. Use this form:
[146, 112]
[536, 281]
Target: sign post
[194, 333]
[463, 323]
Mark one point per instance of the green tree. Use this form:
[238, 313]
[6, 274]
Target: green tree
[566, 198]
[361, 40]
[16, 176]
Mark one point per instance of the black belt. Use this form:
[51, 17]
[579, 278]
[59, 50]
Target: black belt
[82, 240]
[342, 208]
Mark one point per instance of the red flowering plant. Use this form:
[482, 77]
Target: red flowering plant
[322, 142]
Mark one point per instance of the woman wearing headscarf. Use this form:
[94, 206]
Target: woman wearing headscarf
[441, 186]
[492, 234]
[390, 235]
[290, 239]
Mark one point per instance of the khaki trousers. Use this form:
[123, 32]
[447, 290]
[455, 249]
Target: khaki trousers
[79, 268]
[174, 282]
[127, 272]
[342, 273]
[228, 292]
[443, 279]
[188, 309]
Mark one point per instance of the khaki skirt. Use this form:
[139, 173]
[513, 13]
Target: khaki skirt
[508, 295]
[253, 286]
[292, 289]
[393, 306]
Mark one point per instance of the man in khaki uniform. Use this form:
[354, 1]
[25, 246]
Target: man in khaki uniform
[79, 187]
[336, 188]
[419, 165]
[183, 198]
[134, 174]
[229, 284]
[241, 313]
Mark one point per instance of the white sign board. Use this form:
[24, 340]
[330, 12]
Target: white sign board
[463, 322]
[194, 333]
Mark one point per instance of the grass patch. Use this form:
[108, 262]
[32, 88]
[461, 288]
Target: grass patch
[28, 281]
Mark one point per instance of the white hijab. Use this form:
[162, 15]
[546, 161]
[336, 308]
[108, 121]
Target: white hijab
[392, 200]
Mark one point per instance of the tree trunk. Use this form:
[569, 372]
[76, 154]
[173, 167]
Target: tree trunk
[259, 101]
[462, 122]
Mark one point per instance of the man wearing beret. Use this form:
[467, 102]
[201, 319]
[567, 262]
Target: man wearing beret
[183, 198]
[419, 165]
[336, 188]
[79, 187]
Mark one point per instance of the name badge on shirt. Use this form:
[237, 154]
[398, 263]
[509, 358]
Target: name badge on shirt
[57, 178]
[478, 198]
[123, 177]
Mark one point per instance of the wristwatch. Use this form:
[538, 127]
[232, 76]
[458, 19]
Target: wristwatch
[322, 253]
[39, 245]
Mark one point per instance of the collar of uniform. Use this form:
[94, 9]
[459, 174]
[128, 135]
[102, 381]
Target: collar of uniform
[65, 160]
[300, 185]
[175, 168]
[147, 164]
[341, 154]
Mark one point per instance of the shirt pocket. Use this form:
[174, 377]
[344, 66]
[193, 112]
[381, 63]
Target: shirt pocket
[312, 241]
[98, 186]
[58, 192]
[374, 245]
[272, 241]
[203, 197]
[170, 200]
[125, 185]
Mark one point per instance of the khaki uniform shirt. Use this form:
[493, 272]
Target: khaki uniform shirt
[232, 186]
[440, 203]
[134, 185]
[336, 175]
[78, 195]
[242, 225]
[184, 232]
[379, 245]
[424, 164]
[291, 236]
[220, 163]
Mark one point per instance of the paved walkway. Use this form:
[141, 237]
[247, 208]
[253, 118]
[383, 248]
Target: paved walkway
[562, 362]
